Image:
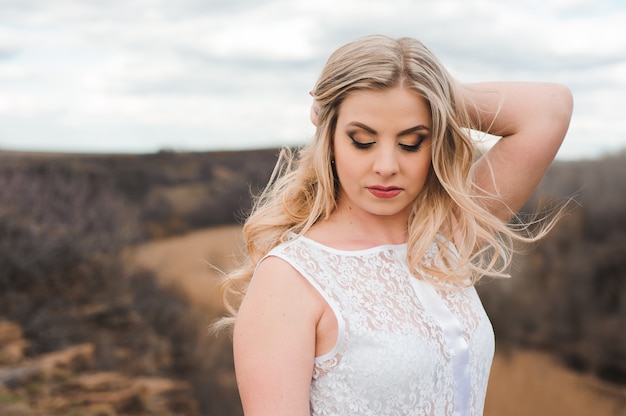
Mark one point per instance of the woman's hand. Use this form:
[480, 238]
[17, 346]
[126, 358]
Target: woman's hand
[315, 109]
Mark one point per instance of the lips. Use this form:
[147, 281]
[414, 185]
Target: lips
[384, 191]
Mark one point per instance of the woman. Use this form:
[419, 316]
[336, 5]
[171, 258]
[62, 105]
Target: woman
[365, 247]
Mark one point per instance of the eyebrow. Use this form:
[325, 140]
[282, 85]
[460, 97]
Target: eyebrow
[402, 133]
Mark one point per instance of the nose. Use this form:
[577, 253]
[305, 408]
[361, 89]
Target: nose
[386, 161]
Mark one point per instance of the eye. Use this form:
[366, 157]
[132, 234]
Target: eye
[360, 145]
[413, 147]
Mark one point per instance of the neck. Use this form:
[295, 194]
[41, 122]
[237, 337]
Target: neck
[366, 228]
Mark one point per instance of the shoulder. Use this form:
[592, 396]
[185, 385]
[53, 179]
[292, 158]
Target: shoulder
[279, 303]
[278, 287]
[275, 269]
[274, 340]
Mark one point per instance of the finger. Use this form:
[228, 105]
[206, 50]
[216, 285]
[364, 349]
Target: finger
[315, 109]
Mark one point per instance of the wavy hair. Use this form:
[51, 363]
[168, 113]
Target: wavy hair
[303, 188]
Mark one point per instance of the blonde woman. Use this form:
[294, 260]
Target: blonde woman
[358, 296]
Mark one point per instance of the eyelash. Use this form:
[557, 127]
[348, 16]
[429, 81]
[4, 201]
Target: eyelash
[359, 145]
[406, 147]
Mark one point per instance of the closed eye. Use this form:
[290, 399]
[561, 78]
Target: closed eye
[361, 145]
[413, 147]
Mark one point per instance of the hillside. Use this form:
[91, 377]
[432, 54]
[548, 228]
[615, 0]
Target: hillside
[568, 294]
[124, 344]
[163, 194]
[67, 223]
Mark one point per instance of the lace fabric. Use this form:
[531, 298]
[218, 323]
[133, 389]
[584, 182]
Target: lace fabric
[404, 347]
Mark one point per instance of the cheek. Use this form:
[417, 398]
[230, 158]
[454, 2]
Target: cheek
[426, 168]
[345, 164]
[342, 171]
[421, 170]
[348, 176]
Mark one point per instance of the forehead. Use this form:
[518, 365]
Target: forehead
[394, 106]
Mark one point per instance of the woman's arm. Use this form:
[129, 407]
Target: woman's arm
[532, 119]
[274, 341]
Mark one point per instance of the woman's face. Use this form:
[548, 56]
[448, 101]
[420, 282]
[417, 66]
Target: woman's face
[382, 150]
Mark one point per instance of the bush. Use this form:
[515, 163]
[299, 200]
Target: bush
[568, 296]
[62, 232]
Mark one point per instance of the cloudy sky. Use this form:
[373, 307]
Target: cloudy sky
[145, 75]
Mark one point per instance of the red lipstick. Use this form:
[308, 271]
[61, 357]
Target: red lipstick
[384, 191]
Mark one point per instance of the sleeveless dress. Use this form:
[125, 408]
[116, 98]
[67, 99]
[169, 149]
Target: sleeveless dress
[403, 346]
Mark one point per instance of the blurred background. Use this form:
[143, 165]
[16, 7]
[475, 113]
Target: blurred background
[132, 134]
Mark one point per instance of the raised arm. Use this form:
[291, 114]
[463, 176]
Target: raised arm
[274, 341]
[532, 119]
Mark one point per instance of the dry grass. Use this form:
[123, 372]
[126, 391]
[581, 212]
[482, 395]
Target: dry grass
[522, 382]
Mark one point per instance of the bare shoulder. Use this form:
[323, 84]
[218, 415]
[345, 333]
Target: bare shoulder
[278, 288]
[278, 274]
[274, 340]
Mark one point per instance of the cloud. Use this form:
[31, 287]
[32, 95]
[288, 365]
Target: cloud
[198, 74]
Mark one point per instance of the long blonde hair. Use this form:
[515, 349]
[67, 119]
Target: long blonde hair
[302, 190]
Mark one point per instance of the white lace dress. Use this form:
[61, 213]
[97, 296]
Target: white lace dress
[404, 348]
